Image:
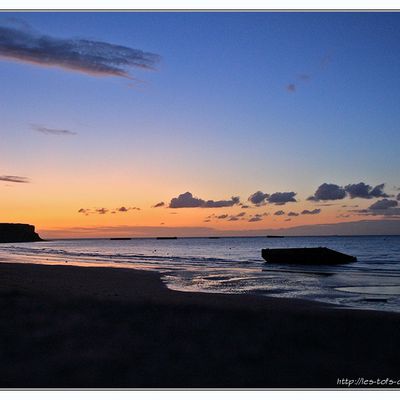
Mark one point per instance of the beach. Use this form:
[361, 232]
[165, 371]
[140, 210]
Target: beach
[85, 327]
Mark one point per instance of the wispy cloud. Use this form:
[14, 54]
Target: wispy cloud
[226, 217]
[305, 77]
[52, 131]
[103, 210]
[160, 204]
[14, 179]
[81, 55]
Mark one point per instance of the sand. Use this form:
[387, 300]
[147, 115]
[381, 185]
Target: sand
[75, 327]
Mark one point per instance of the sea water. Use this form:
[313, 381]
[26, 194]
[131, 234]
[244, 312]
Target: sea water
[234, 265]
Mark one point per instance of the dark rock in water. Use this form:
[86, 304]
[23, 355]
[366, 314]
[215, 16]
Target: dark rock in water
[376, 300]
[13, 233]
[312, 255]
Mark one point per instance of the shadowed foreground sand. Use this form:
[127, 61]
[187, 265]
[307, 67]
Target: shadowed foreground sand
[64, 326]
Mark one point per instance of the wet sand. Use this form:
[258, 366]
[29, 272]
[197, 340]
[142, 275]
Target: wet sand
[74, 327]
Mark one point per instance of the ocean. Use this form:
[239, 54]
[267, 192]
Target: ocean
[234, 265]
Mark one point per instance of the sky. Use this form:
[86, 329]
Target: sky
[228, 122]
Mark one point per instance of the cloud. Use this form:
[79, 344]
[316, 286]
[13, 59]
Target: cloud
[343, 216]
[80, 55]
[328, 191]
[85, 211]
[160, 204]
[302, 78]
[52, 131]
[293, 214]
[364, 191]
[312, 212]
[14, 179]
[103, 210]
[258, 198]
[398, 197]
[227, 217]
[280, 212]
[260, 215]
[221, 203]
[186, 200]
[255, 219]
[281, 198]
[389, 212]
[384, 207]
[383, 204]
[291, 87]
[331, 191]
[377, 191]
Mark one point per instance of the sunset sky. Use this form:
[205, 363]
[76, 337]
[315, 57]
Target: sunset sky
[225, 121]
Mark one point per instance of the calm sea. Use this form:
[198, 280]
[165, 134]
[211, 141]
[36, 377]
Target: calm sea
[234, 265]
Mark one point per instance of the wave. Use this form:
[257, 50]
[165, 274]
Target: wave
[136, 258]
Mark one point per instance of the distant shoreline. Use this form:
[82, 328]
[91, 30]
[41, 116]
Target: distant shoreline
[220, 237]
[69, 326]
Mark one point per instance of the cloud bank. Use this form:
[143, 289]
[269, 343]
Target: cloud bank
[80, 55]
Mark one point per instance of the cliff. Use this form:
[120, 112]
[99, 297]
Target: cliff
[10, 233]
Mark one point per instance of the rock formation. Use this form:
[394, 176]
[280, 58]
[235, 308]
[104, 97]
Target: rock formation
[11, 233]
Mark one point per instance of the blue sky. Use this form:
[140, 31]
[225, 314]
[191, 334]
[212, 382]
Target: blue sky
[239, 102]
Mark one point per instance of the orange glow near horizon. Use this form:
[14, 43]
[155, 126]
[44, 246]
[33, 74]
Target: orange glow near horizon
[55, 213]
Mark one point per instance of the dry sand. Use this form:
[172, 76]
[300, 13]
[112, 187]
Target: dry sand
[74, 327]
